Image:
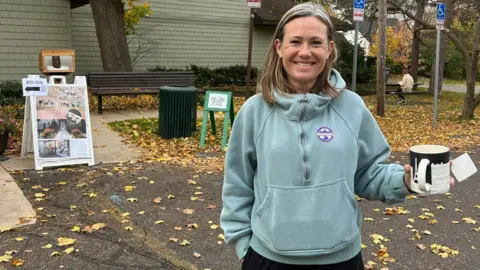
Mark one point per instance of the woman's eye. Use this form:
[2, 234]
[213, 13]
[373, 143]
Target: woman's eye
[317, 43]
[295, 42]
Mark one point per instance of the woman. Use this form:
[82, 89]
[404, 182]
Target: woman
[298, 152]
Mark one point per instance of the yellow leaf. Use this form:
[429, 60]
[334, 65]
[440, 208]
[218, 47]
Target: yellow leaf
[128, 228]
[364, 246]
[132, 199]
[196, 254]
[75, 229]
[5, 258]
[159, 222]
[458, 210]
[368, 219]
[469, 220]
[82, 185]
[41, 208]
[129, 188]
[141, 212]
[126, 214]
[188, 211]
[412, 220]
[440, 207]
[184, 243]
[433, 221]
[194, 198]
[427, 232]
[192, 226]
[477, 206]
[61, 183]
[39, 195]
[191, 182]
[73, 207]
[477, 229]
[151, 182]
[221, 236]
[20, 239]
[376, 210]
[198, 193]
[455, 222]
[68, 250]
[92, 195]
[98, 226]
[170, 196]
[55, 253]
[63, 241]
[47, 246]
[214, 226]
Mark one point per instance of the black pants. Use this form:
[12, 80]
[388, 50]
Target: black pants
[255, 261]
[399, 91]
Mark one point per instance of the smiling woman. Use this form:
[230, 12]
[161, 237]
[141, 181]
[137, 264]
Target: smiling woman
[298, 152]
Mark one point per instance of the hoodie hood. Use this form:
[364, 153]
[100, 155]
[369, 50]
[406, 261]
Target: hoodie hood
[306, 106]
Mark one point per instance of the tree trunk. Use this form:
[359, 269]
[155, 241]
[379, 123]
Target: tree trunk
[449, 5]
[416, 41]
[381, 56]
[470, 102]
[109, 25]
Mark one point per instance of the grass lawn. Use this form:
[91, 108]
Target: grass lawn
[403, 126]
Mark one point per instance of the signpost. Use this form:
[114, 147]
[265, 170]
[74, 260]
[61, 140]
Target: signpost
[440, 24]
[358, 13]
[250, 4]
[220, 101]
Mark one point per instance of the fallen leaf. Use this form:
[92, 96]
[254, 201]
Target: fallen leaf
[458, 210]
[141, 212]
[376, 210]
[198, 193]
[55, 253]
[178, 228]
[5, 258]
[192, 226]
[39, 195]
[173, 239]
[469, 220]
[63, 241]
[184, 243]
[157, 200]
[18, 239]
[191, 182]
[75, 229]
[68, 250]
[412, 220]
[170, 196]
[211, 206]
[221, 237]
[17, 262]
[196, 254]
[427, 232]
[47, 246]
[368, 219]
[433, 221]
[62, 183]
[128, 228]
[132, 199]
[213, 227]
[194, 198]
[159, 222]
[188, 211]
[129, 188]
[439, 207]
[37, 187]
[455, 222]
[421, 246]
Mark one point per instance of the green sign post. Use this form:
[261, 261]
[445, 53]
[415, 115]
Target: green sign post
[217, 101]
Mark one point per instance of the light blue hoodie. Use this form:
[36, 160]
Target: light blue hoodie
[292, 169]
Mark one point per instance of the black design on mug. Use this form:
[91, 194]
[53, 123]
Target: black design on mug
[430, 169]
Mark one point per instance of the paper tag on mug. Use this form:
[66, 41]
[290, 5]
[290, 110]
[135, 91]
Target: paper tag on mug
[463, 167]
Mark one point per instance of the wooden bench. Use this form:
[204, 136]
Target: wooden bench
[398, 90]
[135, 83]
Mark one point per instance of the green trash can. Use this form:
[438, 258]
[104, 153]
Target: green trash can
[177, 112]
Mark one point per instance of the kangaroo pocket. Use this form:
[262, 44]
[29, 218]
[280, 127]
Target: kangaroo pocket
[308, 220]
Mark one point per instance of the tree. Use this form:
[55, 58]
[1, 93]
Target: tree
[382, 44]
[471, 58]
[398, 44]
[415, 56]
[114, 20]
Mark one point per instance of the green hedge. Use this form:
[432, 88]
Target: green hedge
[11, 93]
[205, 76]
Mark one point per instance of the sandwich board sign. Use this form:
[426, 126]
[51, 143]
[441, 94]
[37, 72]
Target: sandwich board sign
[217, 101]
[57, 125]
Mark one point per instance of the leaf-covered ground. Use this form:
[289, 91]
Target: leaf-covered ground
[403, 126]
[136, 215]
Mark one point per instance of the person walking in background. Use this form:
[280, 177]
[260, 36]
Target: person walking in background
[299, 150]
[406, 85]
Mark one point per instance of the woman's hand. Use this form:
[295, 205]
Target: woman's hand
[408, 175]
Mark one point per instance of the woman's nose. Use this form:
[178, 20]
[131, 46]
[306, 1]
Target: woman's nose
[304, 50]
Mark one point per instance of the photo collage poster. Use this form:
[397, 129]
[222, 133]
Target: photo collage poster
[61, 123]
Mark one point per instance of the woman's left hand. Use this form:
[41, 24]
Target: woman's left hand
[408, 175]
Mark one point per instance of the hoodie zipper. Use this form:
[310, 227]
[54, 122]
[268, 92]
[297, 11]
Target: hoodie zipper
[303, 110]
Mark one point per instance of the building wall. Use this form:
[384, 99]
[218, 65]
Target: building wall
[27, 27]
[210, 33]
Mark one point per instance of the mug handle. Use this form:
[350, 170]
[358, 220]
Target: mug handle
[422, 175]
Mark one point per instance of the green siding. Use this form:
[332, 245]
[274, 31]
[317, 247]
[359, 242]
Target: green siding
[210, 33]
[27, 27]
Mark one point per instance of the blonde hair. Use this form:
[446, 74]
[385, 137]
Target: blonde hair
[273, 77]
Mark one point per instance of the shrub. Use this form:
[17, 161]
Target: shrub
[11, 93]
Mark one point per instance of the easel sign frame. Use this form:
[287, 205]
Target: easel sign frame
[217, 101]
[70, 123]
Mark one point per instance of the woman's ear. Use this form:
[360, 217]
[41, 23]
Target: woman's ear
[278, 45]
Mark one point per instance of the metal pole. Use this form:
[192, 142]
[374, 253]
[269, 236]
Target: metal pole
[435, 90]
[355, 58]
[249, 60]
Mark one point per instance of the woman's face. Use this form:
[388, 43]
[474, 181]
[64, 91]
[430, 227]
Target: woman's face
[304, 50]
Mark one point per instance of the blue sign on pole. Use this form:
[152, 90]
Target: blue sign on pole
[359, 4]
[440, 11]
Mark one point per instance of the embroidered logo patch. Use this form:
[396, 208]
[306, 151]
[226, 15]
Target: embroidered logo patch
[325, 134]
